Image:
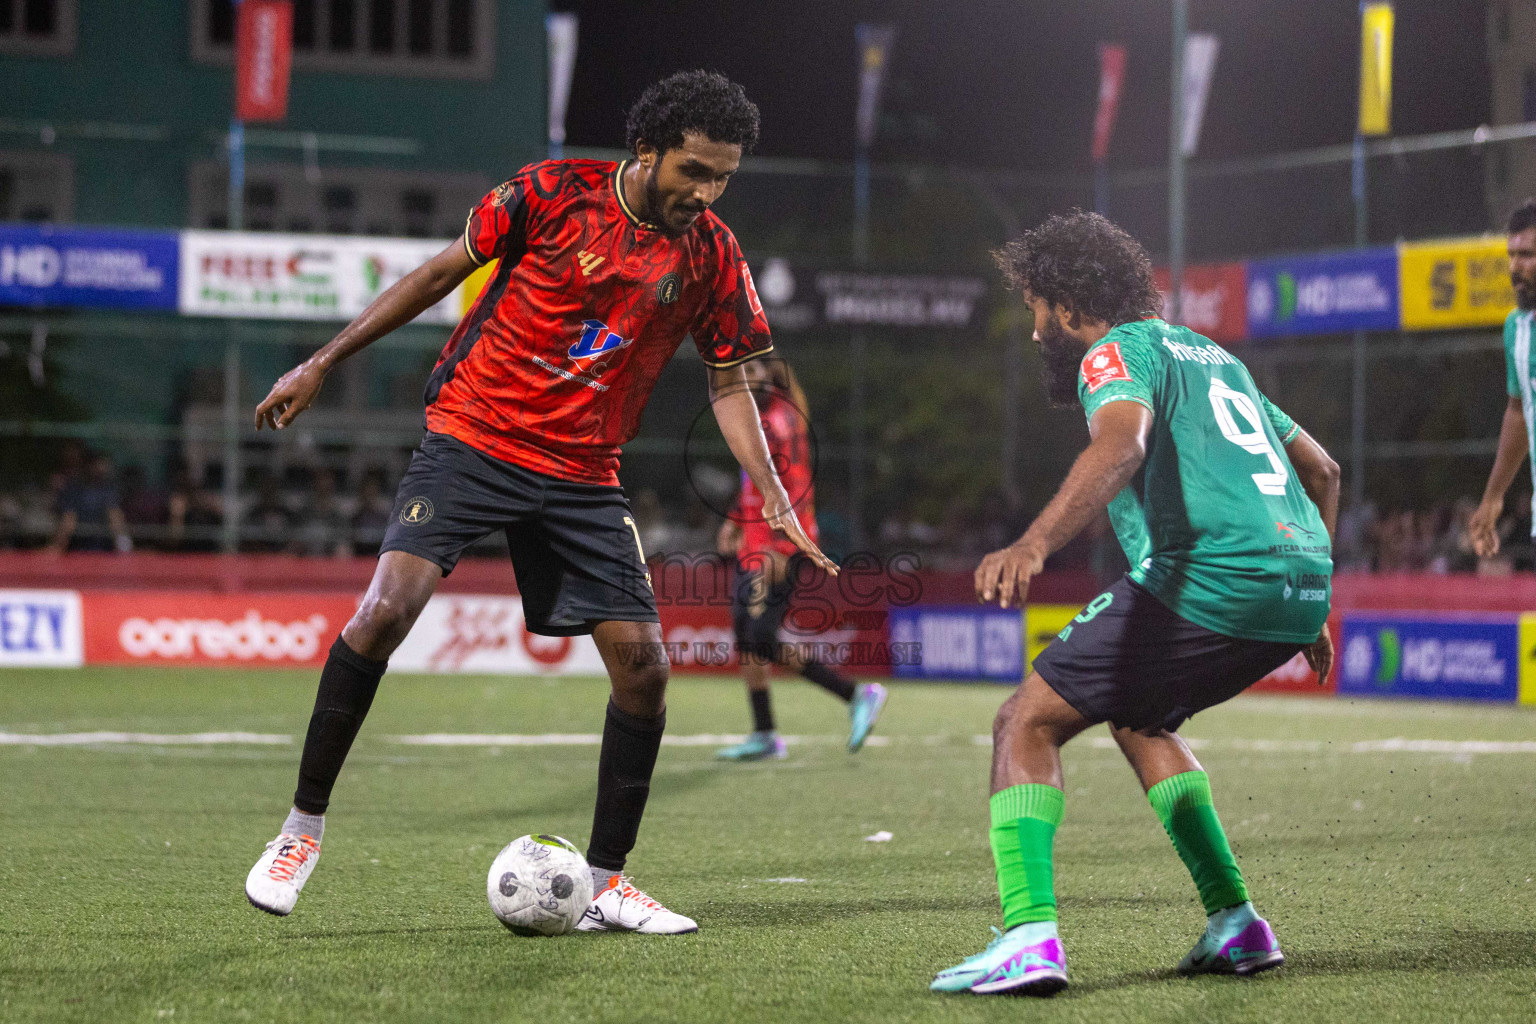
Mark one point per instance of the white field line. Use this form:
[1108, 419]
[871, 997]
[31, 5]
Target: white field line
[87, 739]
[1395, 745]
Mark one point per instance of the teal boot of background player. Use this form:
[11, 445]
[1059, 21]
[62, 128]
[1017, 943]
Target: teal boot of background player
[863, 712]
[760, 746]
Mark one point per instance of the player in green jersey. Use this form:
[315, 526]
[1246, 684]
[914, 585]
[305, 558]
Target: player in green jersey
[1225, 508]
[1517, 437]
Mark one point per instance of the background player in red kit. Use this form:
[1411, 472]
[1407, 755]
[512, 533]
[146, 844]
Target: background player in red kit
[768, 567]
[604, 268]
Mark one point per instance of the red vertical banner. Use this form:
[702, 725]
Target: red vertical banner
[263, 56]
[1111, 79]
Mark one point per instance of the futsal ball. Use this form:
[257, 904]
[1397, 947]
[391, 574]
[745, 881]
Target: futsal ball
[539, 885]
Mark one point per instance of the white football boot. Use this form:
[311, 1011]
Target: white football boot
[620, 907]
[274, 883]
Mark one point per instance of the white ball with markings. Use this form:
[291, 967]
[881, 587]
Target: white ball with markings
[539, 885]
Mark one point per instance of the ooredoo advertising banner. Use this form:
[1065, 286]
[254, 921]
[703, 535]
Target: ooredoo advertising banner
[92, 268]
[299, 277]
[40, 629]
[1453, 657]
[1215, 299]
[1462, 282]
[190, 628]
[487, 633]
[1323, 294]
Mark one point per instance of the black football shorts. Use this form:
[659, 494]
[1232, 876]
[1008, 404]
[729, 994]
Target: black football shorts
[1130, 661]
[575, 548]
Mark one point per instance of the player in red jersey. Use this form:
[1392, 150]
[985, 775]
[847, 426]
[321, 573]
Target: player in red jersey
[768, 567]
[603, 269]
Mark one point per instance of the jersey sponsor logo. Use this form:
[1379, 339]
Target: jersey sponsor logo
[669, 288]
[1289, 530]
[1308, 586]
[416, 511]
[596, 340]
[1104, 365]
[588, 261]
[501, 194]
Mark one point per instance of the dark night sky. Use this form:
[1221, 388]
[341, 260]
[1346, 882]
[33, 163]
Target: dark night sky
[1013, 84]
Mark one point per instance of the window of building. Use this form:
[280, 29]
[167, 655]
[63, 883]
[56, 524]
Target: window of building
[45, 27]
[430, 38]
[37, 187]
[342, 201]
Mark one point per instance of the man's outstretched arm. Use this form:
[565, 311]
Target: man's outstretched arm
[736, 412]
[1483, 528]
[402, 302]
[1118, 448]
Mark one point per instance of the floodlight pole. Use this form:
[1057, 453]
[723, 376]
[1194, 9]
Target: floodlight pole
[856, 357]
[1357, 400]
[1176, 165]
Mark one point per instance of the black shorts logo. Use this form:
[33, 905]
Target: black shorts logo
[669, 288]
[416, 512]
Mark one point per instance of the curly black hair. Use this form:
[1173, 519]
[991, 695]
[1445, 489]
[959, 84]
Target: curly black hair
[1523, 218]
[1084, 262]
[693, 101]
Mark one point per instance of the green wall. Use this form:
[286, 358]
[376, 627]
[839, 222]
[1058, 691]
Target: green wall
[132, 65]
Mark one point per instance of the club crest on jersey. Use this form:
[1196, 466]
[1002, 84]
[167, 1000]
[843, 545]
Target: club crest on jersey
[669, 288]
[596, 340]
[1102, 366]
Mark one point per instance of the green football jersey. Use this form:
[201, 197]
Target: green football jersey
[1215, 523]
[1518, 372]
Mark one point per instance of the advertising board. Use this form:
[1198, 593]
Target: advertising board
[92, 268]
[40, 629]
[190, 628]
[958, 642]
[1471, 657]
[1326, 293]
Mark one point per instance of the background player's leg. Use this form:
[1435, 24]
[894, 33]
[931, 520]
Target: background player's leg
[401, 585]
[1236, 939]
[755, 618]
[638, 668]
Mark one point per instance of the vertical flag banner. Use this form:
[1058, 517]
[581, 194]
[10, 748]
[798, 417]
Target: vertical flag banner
[1111, 79]
[1200, 50]
[561, 30]
[1376, 22]
[263, 56]
[874, 42]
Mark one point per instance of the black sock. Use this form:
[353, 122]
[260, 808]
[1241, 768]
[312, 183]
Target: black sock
[829, 679]
[762, 710]
[624, 767]
[347, 685]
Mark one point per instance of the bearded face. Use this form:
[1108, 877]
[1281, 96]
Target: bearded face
[1061, 356]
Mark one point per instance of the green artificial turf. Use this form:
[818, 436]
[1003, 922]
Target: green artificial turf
[1399, 881]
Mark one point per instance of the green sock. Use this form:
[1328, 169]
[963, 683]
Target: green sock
[1024, 820]
[1183, 803]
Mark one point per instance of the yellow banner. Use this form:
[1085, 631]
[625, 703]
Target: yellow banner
[475, 283]
[1458, 282]
[1041, 624]
[1528, 658]
[1376, 69]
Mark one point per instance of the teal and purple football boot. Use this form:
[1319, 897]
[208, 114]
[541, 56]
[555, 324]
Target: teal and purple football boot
[1236, 941]
[1027, 960]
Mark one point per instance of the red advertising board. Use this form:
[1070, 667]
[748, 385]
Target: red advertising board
[263, 54]
[181, 628]
[1215, 299]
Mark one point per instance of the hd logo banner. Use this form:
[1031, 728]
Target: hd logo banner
[1329, 293]
[1450, 657]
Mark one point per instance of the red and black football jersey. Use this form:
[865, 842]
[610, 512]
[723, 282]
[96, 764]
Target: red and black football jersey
[789, 445]
[552, 366]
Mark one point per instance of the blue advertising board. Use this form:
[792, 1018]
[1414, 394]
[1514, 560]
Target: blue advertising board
[1450, 657]
[95, 268]
[959, 642]
[1327, 293]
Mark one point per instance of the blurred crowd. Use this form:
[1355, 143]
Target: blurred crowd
[88, 504]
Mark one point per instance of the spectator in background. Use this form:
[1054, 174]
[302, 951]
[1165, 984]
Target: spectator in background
[269, 523]
[10, 521]
[372, 516]
[144, 507]
[90, 512]
[322, 528]
[196, 513]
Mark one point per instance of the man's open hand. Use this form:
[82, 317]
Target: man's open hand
[1483, 529]
[1004, 575]
[1319, 655]
[294, 392]
[787, 523]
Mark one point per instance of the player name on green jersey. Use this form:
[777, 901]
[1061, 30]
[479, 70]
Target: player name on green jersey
[1215, 523]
